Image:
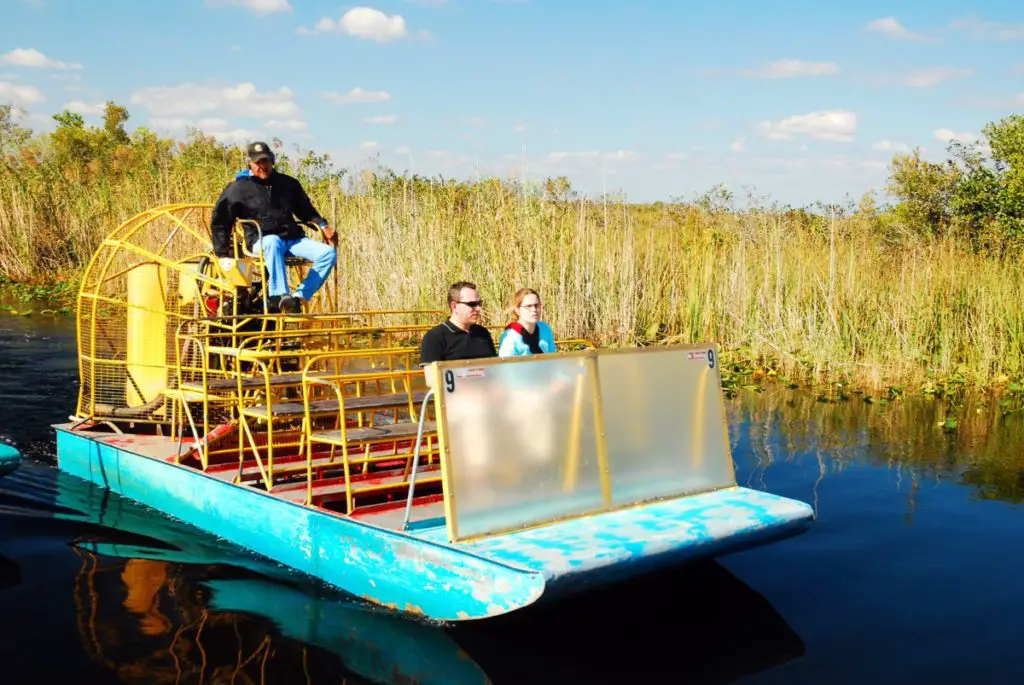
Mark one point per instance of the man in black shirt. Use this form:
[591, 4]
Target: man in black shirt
[460, 337]
[274, 200]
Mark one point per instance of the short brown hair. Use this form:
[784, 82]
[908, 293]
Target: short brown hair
[456, 288]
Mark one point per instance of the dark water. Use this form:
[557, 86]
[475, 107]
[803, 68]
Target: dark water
[912, 573]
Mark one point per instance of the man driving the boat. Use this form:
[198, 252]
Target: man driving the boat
[274, 201]
[460, 336]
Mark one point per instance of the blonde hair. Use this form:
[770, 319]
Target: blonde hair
[517, 300]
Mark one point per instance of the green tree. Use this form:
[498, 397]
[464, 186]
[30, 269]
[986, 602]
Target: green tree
[924, 190]
[1006, 139]
[114, 118]
[12, 135]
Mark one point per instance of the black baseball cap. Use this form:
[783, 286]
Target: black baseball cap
[260, 150]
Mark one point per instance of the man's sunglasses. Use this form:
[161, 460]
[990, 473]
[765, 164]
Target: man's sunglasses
[474, 304]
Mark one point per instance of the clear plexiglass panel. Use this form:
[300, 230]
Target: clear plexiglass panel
[664, 422]
[522, 442]
[537, 439]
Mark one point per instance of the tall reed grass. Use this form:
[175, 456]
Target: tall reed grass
[831, 301]
[791, 293]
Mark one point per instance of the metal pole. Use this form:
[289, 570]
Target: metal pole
[415, 460]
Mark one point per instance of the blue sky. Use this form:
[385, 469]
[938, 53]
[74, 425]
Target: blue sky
[796, 101]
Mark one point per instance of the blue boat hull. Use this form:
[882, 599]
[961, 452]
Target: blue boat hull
[10, 459]
[419, 572]
[381, 566]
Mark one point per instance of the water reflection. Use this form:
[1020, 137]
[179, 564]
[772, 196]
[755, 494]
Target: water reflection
[984, 452]
[157, 601]
[700, 625]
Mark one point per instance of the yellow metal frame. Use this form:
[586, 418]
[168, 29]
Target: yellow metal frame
[436, 371]
[335, 382]
[262, 350]
[97, 273]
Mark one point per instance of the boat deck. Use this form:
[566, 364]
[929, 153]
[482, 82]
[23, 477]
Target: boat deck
[428, 505]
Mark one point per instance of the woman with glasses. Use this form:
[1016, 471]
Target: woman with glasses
[527, 334]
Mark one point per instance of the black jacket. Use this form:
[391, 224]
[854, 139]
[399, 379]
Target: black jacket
[272, 203]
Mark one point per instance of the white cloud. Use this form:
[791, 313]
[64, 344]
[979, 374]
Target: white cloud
[402, 150]
[206, 124]
[369, 144]
[356, 95]
[189, 100]
[890, 146]
[287, 124]
[592, 155]
[989, 30]
[86, 108]
[833, 124]
[258, 7]
[945, 135]
[739, 145]
[889, 26]
[925, 78]
[519, 126]
[216, 127]
[30, 57]
[384, 119]
[363, 22]
[790, 68]
[816, 164]
[18, 94]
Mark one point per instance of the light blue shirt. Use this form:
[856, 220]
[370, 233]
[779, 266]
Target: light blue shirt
[511, 344]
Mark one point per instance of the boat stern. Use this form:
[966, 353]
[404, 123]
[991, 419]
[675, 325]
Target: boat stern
[581, 553]
[593, 466]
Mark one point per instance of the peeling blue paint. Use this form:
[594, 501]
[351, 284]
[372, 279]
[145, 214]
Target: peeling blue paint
[618, 544]
[382, 566]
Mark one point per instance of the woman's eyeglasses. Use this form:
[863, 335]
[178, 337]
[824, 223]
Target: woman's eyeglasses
[530, 306]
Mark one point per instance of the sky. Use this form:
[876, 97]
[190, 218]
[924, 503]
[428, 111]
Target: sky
[794, 102]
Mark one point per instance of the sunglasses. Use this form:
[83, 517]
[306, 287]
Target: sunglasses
[473, 304]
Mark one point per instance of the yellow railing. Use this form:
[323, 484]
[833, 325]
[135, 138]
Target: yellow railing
[260, 355]
[406, 387]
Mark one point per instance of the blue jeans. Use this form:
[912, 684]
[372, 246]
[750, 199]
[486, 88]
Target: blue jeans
[275, 249]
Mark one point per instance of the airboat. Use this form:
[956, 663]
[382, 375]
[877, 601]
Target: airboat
[452, 491]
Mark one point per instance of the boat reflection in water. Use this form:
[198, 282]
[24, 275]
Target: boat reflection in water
[158, 601]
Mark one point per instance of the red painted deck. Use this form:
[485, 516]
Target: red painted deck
[380, 491]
